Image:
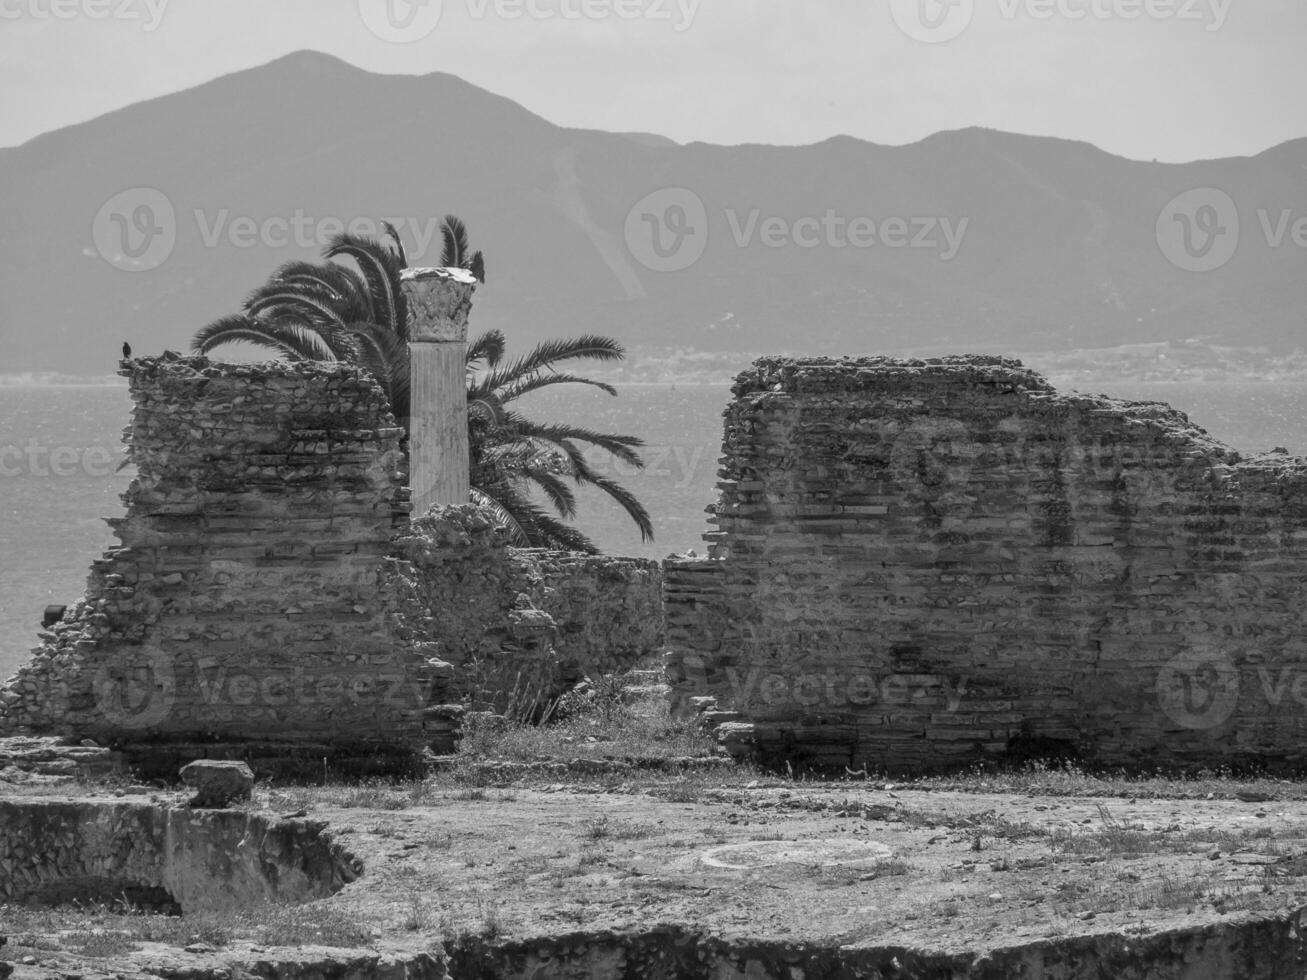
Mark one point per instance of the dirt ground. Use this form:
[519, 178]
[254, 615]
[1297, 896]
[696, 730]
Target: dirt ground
[849, 865]
[953, 871]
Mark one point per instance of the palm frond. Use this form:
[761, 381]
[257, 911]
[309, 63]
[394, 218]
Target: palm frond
[551, 352]
[454, 233]
[519, 457]
[502, 516]
[488, 347]
[488, 408]
[541, 530]
[329, 280]
[278, 302]
[396, 242]
[293, 343]
[527, 385]
[623, 447]
[387, 358]
[625, 499]
[558, 492]
[553, 533]
[380, 267]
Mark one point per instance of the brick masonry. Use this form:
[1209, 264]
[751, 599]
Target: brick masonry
[919, 564]
[519, 626]
[243, 600]
[270, 597]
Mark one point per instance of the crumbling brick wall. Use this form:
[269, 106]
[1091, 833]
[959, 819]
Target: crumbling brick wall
[924, 563]
[520, 626]
[270, 597]
[608, 609]
[247, 599]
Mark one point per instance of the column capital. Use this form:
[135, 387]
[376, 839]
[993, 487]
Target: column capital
[438, 302]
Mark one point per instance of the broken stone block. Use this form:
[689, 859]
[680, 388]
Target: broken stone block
[218, 784]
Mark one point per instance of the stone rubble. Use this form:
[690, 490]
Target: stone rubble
[218, 783]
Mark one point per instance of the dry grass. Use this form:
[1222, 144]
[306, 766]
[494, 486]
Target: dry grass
[1068, 779]
[1116, 838]
[606, 828]
[1172, 892]
[607, 725]
[104, 931]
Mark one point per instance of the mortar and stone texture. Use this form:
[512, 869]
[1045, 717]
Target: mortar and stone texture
[54, 851]
[920, 564]
[262, 601]
[242, 598]
[521, 626]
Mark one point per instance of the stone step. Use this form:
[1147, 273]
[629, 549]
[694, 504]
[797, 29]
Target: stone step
[645, 692]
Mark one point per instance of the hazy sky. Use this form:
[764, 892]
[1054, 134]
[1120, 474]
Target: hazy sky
[1168, 79]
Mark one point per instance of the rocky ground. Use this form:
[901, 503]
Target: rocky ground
[948, 875]
[598, 868]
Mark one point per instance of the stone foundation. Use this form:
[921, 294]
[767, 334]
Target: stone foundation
[171, 859]
[922, 564]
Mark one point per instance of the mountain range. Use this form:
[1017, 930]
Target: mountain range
[146, 223]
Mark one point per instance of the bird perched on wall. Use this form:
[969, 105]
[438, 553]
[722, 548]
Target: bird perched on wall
[127, 351]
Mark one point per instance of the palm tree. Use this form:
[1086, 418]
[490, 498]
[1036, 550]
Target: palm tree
[333, 312]
[512, 456]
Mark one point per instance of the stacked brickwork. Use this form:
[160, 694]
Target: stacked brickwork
[520, 626]
[924, 563]
[246, 599]
[608, 609]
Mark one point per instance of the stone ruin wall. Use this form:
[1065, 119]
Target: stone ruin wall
[520, 626]
[269, 593]
[609, 609]
[242, 603]
[919, 564]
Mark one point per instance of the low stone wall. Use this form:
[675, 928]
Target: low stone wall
[609, 610]
[56, 851]
[521, 626]
[920, 564]
[247, 599]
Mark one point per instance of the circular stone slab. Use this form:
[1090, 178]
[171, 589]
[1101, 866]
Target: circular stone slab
[814, 853]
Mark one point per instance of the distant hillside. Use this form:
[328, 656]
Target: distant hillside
[1055, 241]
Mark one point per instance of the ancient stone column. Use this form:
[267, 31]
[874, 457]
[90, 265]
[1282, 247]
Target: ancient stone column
[438, 304]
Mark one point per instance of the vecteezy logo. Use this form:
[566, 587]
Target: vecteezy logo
[135, 230]
[932, 21]
[667, 231]
[1199, 230]
[138, 690]
[1198, 690]
[401, 21]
